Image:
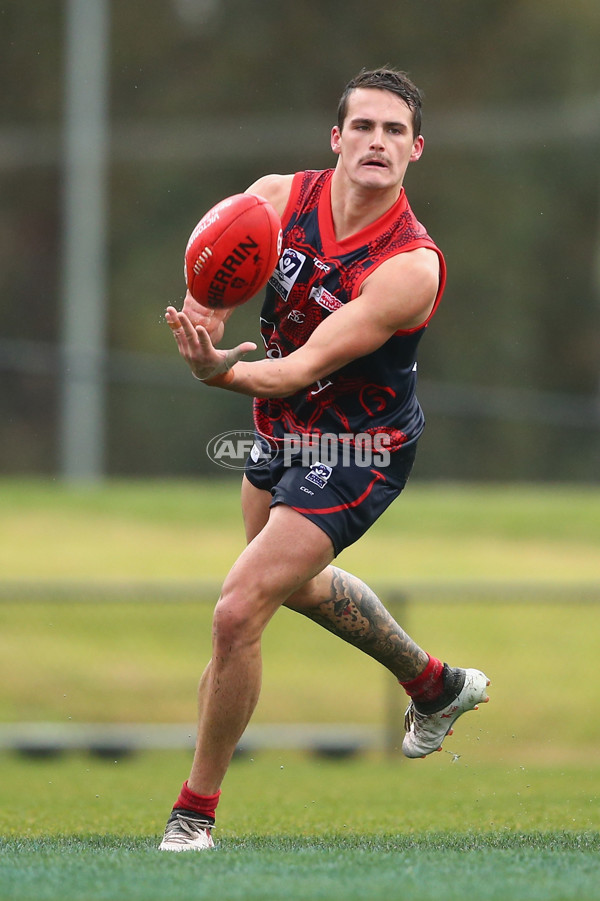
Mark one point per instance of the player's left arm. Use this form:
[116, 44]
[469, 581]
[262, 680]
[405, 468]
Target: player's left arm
[399, 294]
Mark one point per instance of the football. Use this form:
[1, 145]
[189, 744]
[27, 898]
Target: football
[232, 252]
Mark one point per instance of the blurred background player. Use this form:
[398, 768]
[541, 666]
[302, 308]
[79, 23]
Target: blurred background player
[356, 285]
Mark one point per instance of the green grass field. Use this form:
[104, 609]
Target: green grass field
[509, 809]
[301, 827]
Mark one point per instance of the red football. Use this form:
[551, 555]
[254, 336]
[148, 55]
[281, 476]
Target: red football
[232, 252]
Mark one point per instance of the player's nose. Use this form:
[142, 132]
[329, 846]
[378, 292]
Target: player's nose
[377, 142]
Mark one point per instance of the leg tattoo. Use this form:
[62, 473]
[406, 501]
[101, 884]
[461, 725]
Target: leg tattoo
[355, 613]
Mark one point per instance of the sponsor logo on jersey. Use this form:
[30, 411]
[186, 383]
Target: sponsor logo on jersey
[319, 474]
[321, 265]
[325, 299]
[287, 271]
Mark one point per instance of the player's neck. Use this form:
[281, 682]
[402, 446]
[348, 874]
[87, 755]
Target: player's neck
[354, 207]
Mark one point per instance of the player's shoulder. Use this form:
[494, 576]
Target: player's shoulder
[406, 287]
[274, 188]
[420, 263]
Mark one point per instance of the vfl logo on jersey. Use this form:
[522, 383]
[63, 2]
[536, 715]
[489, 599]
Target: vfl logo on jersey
[325, 299]
[287, 271]
[319, 474]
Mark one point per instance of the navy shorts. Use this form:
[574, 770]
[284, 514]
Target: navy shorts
[342, 497]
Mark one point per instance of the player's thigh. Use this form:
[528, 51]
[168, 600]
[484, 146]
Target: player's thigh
[255, 508]
[287, 552]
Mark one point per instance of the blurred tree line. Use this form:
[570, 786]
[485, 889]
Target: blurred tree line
[207, 95]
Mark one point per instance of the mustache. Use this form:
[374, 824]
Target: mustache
[375, 158]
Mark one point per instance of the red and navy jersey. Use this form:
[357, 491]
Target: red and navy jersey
[316, 274]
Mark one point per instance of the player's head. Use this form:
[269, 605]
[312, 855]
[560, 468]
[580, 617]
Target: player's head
[384, 79]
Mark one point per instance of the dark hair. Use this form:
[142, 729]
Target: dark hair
[384, 79]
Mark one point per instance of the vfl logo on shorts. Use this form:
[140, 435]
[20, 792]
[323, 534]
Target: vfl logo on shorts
[287, 271]
[319, 474]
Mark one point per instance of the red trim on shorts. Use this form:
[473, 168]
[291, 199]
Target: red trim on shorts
[339, 507]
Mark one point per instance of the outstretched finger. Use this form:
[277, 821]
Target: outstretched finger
[172, 318]
[180, 324]
[177, 329]
[186, 325]
[203, 337]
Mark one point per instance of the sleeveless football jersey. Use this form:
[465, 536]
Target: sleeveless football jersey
[315, 275]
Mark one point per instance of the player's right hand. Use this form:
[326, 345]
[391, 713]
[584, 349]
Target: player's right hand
[213, 320]
[196, 346]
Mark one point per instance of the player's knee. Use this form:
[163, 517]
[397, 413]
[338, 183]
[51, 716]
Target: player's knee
[235, 624]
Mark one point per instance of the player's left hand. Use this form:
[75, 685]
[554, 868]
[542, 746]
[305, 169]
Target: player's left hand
[197, 349]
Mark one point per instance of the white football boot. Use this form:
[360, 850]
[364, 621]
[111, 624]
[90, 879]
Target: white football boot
[187, 831]
[425, 732]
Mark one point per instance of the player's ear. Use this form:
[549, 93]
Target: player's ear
[335, 139]
[418, 145]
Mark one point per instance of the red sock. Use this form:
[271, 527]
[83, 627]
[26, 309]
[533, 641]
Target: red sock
[204, 804]
[429, 684]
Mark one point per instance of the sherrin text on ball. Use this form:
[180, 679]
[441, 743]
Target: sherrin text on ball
[233, 250]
